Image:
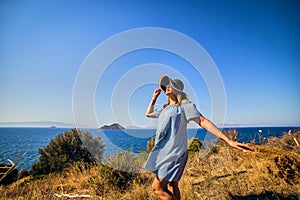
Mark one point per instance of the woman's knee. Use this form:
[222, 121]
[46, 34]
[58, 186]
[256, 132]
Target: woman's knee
[159, 186]
[156, 187]
[173, 184]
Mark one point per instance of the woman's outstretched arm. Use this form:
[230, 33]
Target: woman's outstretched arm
[210, 127]
[149, 112]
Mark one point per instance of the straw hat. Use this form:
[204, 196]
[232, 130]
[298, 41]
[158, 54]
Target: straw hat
[164, 80]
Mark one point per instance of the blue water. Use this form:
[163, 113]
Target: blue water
[21, 144]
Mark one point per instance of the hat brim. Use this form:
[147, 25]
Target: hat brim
[163, 81]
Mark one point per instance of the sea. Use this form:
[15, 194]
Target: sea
[21, 145]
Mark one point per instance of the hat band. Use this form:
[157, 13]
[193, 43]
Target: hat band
[175, 86]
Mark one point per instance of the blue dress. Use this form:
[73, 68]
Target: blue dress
[169, 154]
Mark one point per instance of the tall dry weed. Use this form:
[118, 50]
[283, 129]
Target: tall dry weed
[289, 141]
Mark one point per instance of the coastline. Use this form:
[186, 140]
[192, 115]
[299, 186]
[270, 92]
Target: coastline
[272, 171]
[22, 143]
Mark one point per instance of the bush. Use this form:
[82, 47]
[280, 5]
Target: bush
[67, 149]
[123, 169]
[150, 145]
[194, 145]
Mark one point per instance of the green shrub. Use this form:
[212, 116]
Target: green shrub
[194, 145]
[67, 149]
[114, 177]
[123, 169]
[150, 145]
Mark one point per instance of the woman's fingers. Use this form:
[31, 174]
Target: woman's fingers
[157, 92]
[246, 147]
[242, 147]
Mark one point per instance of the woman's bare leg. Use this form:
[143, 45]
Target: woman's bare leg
[160, 188]
[173, 187]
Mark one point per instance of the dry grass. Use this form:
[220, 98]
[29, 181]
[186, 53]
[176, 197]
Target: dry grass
[268, 173]
[289, 142]
[231, 174]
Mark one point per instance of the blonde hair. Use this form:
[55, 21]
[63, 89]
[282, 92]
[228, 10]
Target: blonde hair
[179, 97]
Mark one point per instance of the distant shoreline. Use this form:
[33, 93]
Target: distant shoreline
[58, 124]
[34, 138]
[137, 128]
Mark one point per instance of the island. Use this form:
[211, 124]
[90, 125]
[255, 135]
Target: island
[112, 126]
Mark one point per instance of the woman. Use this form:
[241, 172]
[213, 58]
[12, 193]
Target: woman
[169, 154]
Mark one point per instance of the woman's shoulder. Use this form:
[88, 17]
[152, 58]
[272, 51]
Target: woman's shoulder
[186, 105]
[186, 102]
[190, 110]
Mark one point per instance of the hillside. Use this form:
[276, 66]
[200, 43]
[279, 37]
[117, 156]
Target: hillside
[37, 124]
[272, 171]
[112, 126]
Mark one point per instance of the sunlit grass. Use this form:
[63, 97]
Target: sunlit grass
[272, 171]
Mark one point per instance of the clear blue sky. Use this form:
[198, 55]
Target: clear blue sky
[255, 45]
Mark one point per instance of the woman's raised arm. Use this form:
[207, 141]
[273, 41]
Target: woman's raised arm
[149, 112]
[210, 127]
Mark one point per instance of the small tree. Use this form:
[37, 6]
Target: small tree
[194, 145]
[67, 149]
[150, 145]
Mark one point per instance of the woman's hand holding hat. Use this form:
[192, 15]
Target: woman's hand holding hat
[156, 93]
